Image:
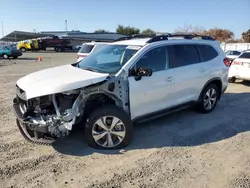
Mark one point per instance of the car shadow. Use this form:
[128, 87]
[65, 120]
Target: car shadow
[243, 82]
[181, 129]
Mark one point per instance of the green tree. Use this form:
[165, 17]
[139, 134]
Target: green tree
[246, 36]
[148, 32]
[101, 31]
[127, 30]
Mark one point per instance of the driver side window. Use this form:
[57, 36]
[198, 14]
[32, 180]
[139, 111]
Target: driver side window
[156, 59]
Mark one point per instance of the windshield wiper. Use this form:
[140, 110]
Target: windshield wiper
[90, 69]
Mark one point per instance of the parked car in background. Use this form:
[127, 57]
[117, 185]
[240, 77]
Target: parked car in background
[88, 48]
[240, 67]
[6, 52]
[232, 54]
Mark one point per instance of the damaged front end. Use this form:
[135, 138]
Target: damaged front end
[43, 119]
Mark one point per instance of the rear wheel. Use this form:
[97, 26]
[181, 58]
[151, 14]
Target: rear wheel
[208, 99]
[15, 57]
[23, 49]
[108, 127]
[232, 80]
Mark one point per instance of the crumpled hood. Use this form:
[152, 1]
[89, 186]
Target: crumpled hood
[57, 80]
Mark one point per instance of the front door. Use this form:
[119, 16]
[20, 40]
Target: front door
[153, 93]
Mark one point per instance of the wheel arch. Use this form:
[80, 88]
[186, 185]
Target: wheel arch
[217, 81]
[98, 99]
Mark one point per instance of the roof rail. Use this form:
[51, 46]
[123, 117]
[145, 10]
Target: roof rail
[135, 36]
[184, 35]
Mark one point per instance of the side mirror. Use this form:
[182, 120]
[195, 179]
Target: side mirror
[140, 72]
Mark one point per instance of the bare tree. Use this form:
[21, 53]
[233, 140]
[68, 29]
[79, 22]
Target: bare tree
[190, 29]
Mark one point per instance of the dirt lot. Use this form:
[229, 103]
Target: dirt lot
[185, 149]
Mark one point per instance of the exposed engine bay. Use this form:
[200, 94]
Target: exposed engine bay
[53, 116]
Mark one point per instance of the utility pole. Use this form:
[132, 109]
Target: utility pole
[2, 30]
[66, 25]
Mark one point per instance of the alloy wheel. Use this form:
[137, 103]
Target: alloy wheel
[210, 99]
[108, 131]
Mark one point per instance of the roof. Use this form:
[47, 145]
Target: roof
[143, 41]
[93, 42]
[139, 41]
[21, 35]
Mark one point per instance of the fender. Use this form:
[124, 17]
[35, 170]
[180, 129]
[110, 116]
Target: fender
[209, 82]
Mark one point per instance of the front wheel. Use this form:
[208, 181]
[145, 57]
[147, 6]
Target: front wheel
[208, 99]
[5, 56]
[108, 127]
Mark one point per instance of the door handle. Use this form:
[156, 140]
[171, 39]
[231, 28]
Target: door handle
[168, 79]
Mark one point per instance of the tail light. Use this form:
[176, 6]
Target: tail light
[227, 62]
[82, 55]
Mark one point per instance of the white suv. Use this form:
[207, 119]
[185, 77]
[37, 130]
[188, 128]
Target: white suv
[88, 48]
[124, 82]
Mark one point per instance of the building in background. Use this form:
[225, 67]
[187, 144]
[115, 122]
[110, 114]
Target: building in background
[78, 37]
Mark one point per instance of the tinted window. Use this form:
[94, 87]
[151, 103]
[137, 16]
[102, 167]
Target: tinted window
[86, 48]
[245, 55]
[236, 53]
[185, 55]
[156, 59]
[207, 52]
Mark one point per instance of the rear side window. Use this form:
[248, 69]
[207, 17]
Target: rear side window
[186, 54]
[236, 53]
[207, 52]
[245, 55]
[86, 48]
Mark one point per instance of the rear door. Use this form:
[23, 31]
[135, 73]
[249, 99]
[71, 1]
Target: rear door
[191, 74]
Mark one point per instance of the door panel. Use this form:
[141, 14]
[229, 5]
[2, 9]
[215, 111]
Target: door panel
[151, 94]
[190, 73]
[189, 81]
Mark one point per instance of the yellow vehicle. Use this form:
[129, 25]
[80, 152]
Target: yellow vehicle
[28, 45]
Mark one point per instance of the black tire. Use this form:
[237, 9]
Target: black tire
[109, 110]
[201, 104]
[23, 49]
[232, 80]
[15, 57]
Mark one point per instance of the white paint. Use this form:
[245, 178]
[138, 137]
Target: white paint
[57, 80]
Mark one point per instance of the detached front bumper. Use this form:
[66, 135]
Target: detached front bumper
[30, 131]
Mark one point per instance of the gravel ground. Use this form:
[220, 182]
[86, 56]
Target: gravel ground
[185, 149]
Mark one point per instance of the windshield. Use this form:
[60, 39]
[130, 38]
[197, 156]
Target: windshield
[109, 59]
[245, 55]
[86, 48]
